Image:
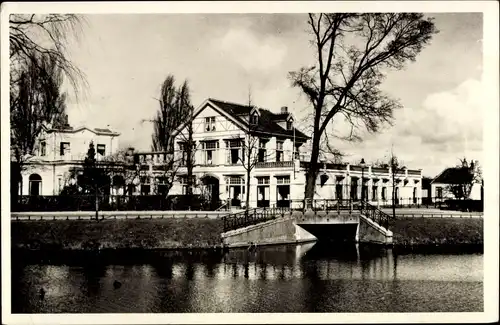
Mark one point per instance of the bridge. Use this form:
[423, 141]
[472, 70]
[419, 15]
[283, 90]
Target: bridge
[335, 220]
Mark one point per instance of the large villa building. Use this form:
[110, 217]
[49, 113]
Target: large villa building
[224, 133]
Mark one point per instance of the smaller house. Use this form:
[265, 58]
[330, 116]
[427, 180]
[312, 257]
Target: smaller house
[441, 185]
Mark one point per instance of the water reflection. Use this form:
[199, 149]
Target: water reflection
[300, 278]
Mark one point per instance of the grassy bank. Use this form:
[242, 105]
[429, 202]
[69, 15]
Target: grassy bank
[437, 231]
[176, 233]
[117, 234]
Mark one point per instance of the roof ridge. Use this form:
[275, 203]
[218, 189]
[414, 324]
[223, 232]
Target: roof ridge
[232, 103]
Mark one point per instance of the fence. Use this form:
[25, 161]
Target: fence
[251, 217]
[433, 203]
[110, 203]
[376, 215]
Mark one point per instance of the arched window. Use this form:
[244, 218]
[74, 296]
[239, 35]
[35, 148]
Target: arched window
[35, 184]
[289, 124]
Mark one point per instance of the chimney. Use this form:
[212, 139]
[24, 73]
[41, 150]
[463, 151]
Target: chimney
[284, 109]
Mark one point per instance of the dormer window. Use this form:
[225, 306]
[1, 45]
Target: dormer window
[254, 119]
[289, 124]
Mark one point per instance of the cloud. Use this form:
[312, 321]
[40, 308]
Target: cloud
[243, 47]
[451, 117]
[448, 125]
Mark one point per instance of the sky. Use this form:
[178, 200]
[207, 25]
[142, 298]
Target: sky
[126, 57]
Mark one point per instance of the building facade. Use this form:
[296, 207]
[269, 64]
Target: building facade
[454, 176]
[57, 151]
[229, 138]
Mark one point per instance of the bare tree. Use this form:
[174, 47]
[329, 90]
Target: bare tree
[467, 174]
[185, 106]
[175, 110]
[38, 62]
[35, 101]
[170, 115]
[397, 169]
[34, 35]
[352, 52]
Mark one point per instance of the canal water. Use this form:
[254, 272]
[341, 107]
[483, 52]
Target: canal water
[303, 278]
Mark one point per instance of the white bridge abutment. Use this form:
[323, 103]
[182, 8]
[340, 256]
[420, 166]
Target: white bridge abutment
[308, 227]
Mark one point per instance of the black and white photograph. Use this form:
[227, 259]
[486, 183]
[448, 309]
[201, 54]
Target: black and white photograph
[212, 162]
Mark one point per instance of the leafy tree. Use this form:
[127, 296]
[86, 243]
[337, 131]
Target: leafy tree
[352, 52]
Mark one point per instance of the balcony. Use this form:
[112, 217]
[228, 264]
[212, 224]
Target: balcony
[274, 164]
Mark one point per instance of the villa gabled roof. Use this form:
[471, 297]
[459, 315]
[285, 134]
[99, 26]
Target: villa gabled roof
[267, 123]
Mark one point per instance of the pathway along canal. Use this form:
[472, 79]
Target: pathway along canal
[303, 278]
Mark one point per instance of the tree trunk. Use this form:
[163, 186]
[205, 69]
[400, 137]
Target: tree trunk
[16, 184]
[247, 201]
[311, 175]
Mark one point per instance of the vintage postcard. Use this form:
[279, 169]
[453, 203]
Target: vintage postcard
[250, 162]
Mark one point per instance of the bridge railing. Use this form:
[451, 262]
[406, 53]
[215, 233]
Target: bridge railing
[375, 214]
[251, 217]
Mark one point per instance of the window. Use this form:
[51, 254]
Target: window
[384, 193]
[297, 153]
[323, 179]
[283, 191]
[210, 148]
[263, 180]
[279, 151]
[235, 180]
[101, 149]
[210, 124]
[262, 151]
[364, 193]
[374, 193]
[338, 191]
[183, 180]
[234, 151]
[35, 184]
[289, 124]
[283, 180]
[43, 148]
[145, 186]
[254, 119]
[64, 148]
[354, 189]
[263, 192]
[439, 192]
[161, 182]
[184, 153]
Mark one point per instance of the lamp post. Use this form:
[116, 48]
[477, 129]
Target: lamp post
[362, 163]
